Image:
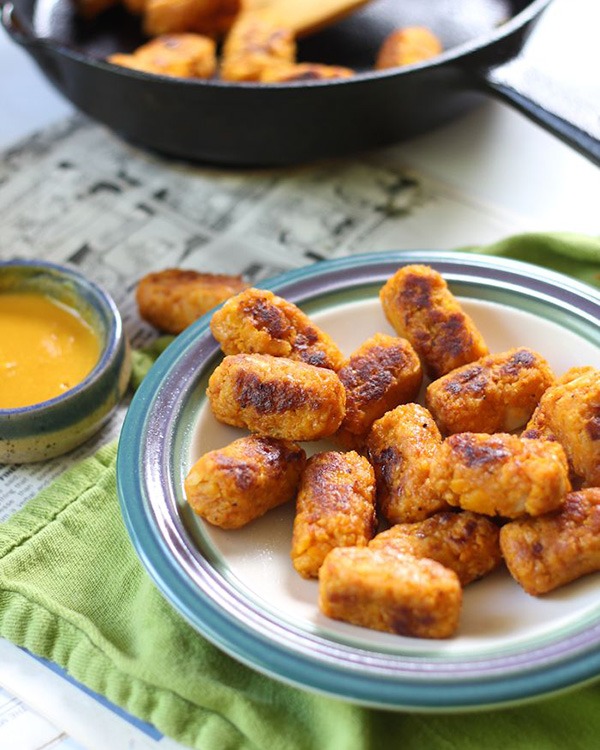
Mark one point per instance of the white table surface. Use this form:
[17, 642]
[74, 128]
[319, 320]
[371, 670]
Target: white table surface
[493, 154]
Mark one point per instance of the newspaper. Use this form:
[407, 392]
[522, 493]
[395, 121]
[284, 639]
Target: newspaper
[76, 194]
[33, 730]
[67, 716]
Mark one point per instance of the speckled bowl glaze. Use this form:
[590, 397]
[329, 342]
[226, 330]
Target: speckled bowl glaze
[51, 428]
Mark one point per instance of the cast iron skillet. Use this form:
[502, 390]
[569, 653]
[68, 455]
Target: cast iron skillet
[256, 124]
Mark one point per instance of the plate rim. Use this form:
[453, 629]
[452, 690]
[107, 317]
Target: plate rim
[330, 671]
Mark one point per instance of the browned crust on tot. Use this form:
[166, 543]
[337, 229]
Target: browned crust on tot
[497, 393]
[382, 373]
[553, 550]
[231, 486]
[500, 474]
[304, 72]
[174, 298]
[569, 412]
[400, 446]
[254, 46]
[387, 591]
[467, 543]
[179, 55]
[335, 507]
[256, 320]
[420, 307]
[277, 397]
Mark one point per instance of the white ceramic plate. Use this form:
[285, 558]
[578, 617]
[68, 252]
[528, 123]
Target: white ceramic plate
[239, 588]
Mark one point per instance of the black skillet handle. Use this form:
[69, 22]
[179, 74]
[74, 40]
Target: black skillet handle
[555, 80]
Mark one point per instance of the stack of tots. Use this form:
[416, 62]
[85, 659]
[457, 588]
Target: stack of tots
[457, 488]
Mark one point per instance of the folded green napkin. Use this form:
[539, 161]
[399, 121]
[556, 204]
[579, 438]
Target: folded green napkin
[73, 591]
[569, 253]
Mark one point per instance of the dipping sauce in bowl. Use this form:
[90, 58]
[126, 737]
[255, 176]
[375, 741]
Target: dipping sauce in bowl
[46, 348]
[64, 359]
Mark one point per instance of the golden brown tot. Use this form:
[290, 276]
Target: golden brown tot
[385, 590]
[497, 393]
[304, 72]
[467, 543]
[552, 550]
[500, 474]
[254, 47]
[400, 446]
[277, 397]
[537, 427]
[172, 299]
[179, 55]
[232, 486]
[406, 46]
[335, 507]
[420, 307]
[569, 412]
[382, 373]
[211, 17]
[256, 320]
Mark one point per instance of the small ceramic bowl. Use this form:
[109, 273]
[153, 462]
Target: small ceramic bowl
[56, 426]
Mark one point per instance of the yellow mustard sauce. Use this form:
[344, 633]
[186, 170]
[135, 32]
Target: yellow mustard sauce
[46, 348]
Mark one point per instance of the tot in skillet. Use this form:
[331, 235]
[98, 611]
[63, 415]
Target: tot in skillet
[569, 412]
[234, 485]
[335, 507]
[385, 590]
[467, 543]
[419, 306]
[401, 446]
[257, 320]
[304, 72]
[407, 46]
[276, 396]
[255, 47]
[500, 474]
[497, 393]
[179, 55]
[552, 550]
[210, 17]
[172, 299]
[382, 373]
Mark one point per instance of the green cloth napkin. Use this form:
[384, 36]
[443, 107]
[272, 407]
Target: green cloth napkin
[143, 359]
[73, 591]
[569, 253]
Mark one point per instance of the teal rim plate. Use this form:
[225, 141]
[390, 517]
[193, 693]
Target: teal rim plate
[239, 589]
